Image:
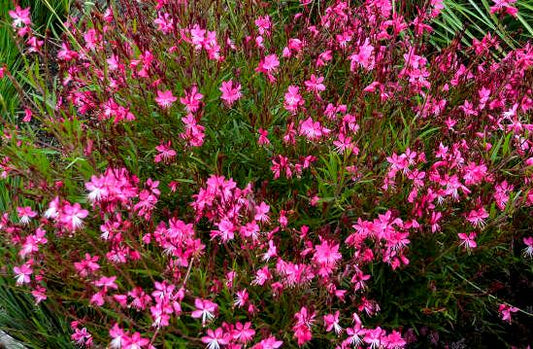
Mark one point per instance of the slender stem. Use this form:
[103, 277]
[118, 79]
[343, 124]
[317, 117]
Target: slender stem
[487, 293]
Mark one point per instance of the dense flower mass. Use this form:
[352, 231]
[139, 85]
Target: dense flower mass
[242, 175]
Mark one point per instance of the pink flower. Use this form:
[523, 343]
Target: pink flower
[31, 243]
[438, 6]
[504, 6]
[226, 230]
[474, 174]
[205, 309]
[263, 137]
[35, 44]
[21, 17]
[269, 343]
[271, 252]
[230, 92]
[92, 38]
[192, 99]
[393, 340]
[270, 63]
[364, 57]
[25, 214]
[82, 337]
[262, 276]
[114, 63]
[53, 209]
[506, 311]
[215, 339]
[136, 342]
[119, 337]
[160, 314]
[315, 84]
[194, 133]
[302, 328]
[23, 273]
[140, 298]
[243, 333]
[165, 99]
[303, 317]
[302, 334]
[113, 110]
[295, 45]
[27, 115]
[326, 257]
[166, 153]
[66, 54]
[323, 58]
[164, 22]
[39, 294]
[281, 164]
[71, 216]
[373, 337]
[331, 321]
[312, 130]
[106, 283]
[359, 280]
[293, 99]
[468, 240]
[261, 212]
[501, 194]
[477, 217]
[263, 24]
[241, 298]
[344, 143]
[355, 334]
[87, 266]
[283, 220]
[326, 253]
[97, 188]
[97, 299]
[197, 36]
[268, 66]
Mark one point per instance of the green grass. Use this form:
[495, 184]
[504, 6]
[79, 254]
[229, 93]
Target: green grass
[474, 20]
[36, 327]
[44, 15]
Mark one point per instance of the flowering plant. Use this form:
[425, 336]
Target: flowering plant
[244, 174]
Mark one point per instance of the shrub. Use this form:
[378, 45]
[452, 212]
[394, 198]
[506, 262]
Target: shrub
[245, 174]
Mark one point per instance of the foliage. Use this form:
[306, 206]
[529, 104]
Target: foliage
[18, 315]
[45, 17]
[473, 19]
